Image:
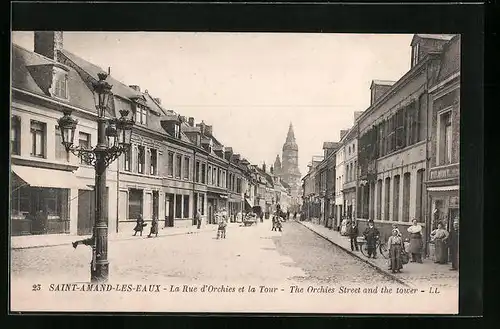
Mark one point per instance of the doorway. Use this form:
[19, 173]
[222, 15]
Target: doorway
[169, 210]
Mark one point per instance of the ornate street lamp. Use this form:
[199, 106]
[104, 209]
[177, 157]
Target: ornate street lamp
[113, 139]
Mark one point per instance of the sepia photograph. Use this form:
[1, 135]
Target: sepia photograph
[249, 172]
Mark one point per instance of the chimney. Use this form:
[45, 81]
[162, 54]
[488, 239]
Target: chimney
[182, 119]
[208, 130]
[343, 133]
[378, 89]
[191, 121]
[135, 87]
[157, 100]
[357, 114]
[228, 152]
[48, 43]
[264, 167]
[202, 126]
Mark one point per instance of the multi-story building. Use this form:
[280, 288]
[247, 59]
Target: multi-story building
[330, 149]
[174, 167]
[349, 189]
[392, 143]
[339, 180]
[443, 178]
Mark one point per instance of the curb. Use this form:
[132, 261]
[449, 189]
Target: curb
[118, 239]
[377, 268]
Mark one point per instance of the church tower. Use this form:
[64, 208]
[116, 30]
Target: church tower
[277, 166]
[290, 165]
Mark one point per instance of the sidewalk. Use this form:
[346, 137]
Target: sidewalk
[412, 273]
[52, 240]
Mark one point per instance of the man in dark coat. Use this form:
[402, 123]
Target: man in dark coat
[154, 227]
[198, 219]
[353, 234]
[453, 243]
[139, 226]
[371, 235]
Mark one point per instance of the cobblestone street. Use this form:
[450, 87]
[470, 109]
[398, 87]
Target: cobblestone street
[248, 254]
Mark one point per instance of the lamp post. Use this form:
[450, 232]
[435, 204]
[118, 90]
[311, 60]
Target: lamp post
[113, 139]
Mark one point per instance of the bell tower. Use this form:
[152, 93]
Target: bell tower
[290, 165]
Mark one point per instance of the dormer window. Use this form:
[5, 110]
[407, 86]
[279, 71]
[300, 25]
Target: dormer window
[141, 114]
[414, 54]
[177, 130]
[61, 85]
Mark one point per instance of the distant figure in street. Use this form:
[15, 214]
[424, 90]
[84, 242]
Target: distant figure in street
[395, 243]
[295, 215]
[287, 215]
[453, 243]
[353, 235]
[198, 219]
[221, 230]
[439, 236]
[416, 244]
[154, 227]
[276, 222]
[371, 235]
[139, 225]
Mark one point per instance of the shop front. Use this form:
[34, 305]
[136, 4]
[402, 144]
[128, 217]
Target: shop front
[216, 202]
[40, 200]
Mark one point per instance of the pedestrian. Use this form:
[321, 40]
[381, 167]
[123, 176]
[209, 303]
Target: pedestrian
[453, 243]
[371, 235]
[287, 215]
[295, 215]
[395, 227]
[439, 236]
[416, 244]
[395, 243]
[139, 225]
[353, 235]
[154, 227]
[198, 219]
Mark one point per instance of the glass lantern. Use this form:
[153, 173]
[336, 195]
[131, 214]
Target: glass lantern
[67, 125]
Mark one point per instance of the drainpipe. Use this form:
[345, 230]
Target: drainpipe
[117, 191]
[195, 211]
[425, 201]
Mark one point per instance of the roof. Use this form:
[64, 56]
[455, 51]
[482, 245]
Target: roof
[119, 88]
[22, 62]
[434, 36]
[450, 59]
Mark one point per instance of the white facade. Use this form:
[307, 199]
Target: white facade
[339, 182]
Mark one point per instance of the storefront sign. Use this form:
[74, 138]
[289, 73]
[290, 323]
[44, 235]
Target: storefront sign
[452, 171]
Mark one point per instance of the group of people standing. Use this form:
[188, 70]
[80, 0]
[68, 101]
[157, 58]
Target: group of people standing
[140, 225]
[398, 255]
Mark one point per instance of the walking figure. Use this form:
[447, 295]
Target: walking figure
[139, 226]
[353, 235]
[371, 235]
[154, 227]
[221, 230]
[198, 219]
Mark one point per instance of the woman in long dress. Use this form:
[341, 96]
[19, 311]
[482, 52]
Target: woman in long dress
[439, 236]
[416, 244]
[139, 225]
[395, 243]
[154, 227]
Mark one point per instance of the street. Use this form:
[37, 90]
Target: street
[249, 254]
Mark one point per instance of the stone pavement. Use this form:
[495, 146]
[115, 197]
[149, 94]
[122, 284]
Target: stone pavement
[412, 273]
[51, 240]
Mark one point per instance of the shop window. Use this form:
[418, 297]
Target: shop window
[84, 141]
[406, 197]
[178, 206]
[135, 206]
[170, 164]
[38, 135]
[153, 158]
[186, 206]
[15, 135]
[178, 166]
[197, 172]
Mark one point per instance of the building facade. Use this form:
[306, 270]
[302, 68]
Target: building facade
[339, 181]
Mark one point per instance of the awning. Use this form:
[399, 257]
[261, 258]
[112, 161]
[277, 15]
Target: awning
[444, 188]
[40, 177]
[248, 206]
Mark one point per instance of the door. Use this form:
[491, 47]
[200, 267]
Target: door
[155, 204]
[169, 210]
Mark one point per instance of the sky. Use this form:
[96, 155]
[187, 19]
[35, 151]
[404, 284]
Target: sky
[250, 86]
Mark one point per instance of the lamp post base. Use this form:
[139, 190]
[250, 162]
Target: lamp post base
[100, 274]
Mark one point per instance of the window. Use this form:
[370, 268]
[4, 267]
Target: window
[141, 158]
[84, 141]
[135, 198]
[355, 169]
[387, 198]
[219, 174]
[170, 164]
[415, 55]
[153, 161]
[406, 197]
[38, 130]
[61, 85]
[178, 206]
[214, 176]
[445, 139]
[420, 196]
[186, 168]
[395, 204]
[197, 172]
[61, 153]
[177, 131]
[209, 174]
[178, 166]
[202, 204]
[379, 199]
[203, 173]
[127, 160]
[400, 138]
[15, 135]
[141, 114]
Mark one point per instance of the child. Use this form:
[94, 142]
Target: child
[154, 227]
[221, 230]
